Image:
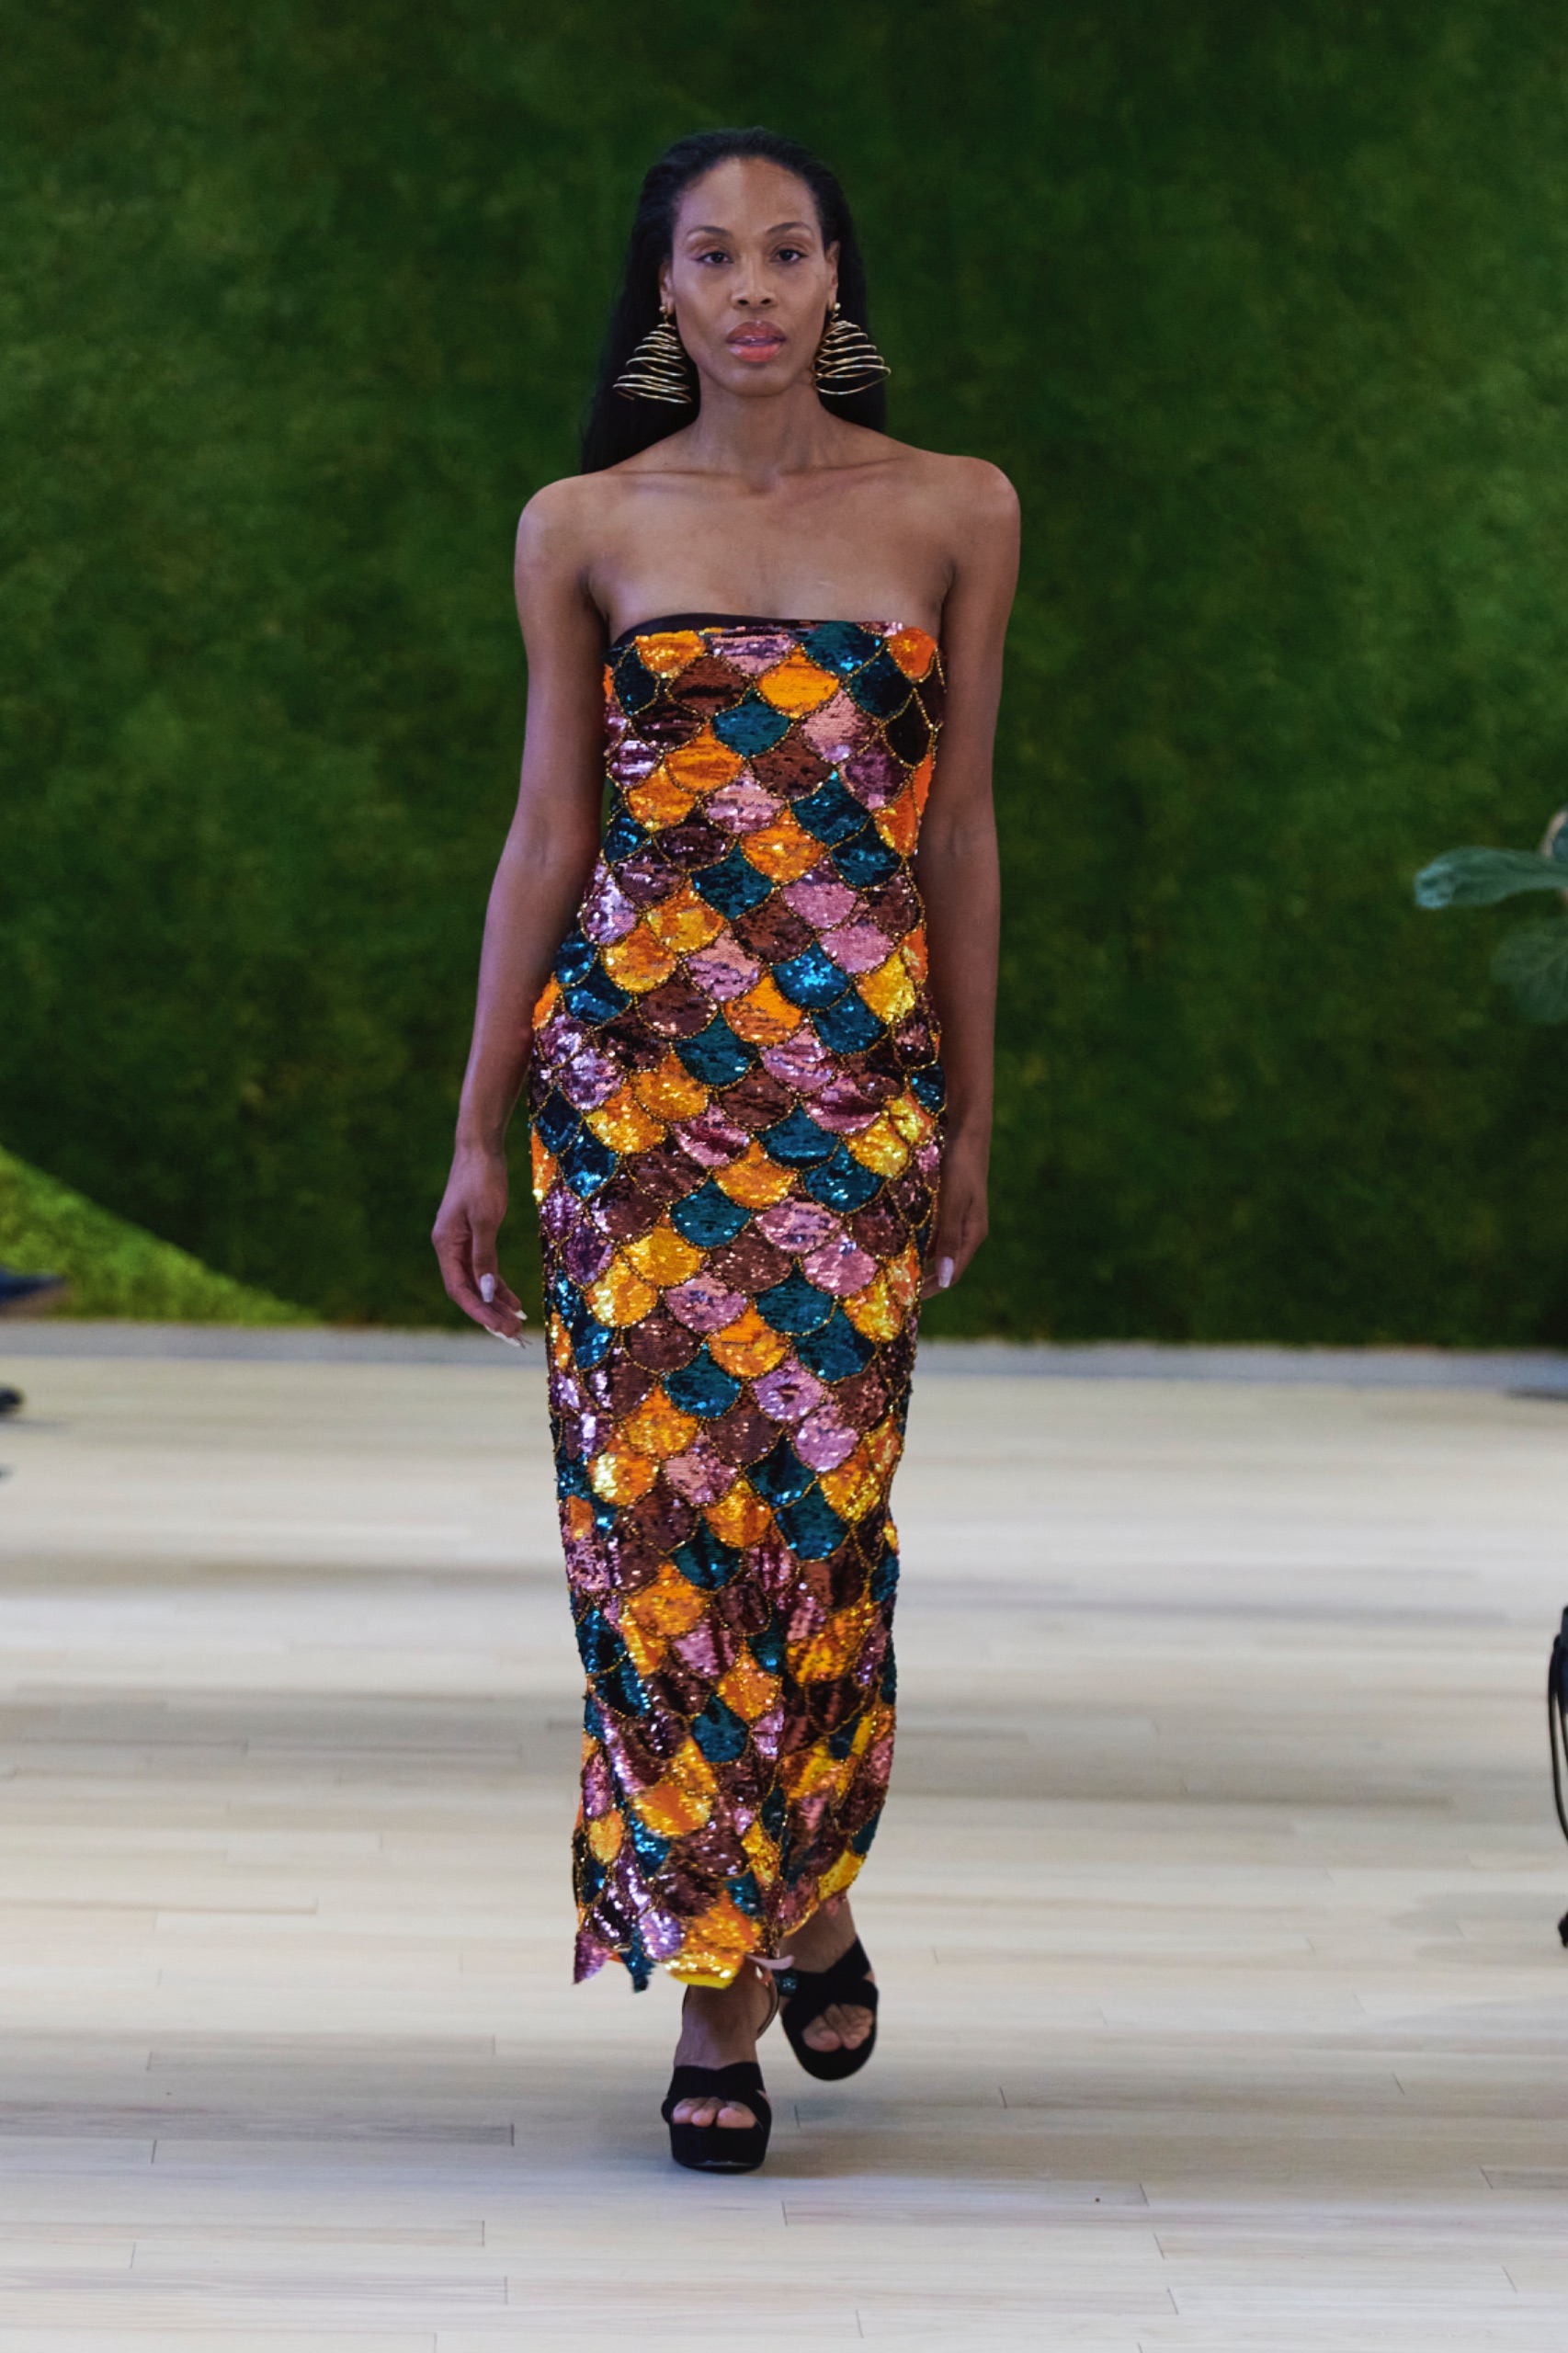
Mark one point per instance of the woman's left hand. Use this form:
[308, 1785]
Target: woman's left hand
[961, 1216]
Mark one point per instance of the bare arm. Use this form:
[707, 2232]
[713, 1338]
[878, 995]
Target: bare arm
[548, 851]
[957, 867]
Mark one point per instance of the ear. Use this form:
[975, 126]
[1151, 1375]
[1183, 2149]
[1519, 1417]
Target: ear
[666, 287]
[831, 257]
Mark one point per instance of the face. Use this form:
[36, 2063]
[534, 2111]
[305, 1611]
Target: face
[750, 278]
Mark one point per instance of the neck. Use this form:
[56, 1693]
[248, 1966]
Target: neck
[762, 438]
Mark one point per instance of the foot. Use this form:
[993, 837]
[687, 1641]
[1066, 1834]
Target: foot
[718, 2027]
[828, 1934]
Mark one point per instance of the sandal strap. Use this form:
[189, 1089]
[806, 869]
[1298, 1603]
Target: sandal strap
[740, 2082]
[846, 1979]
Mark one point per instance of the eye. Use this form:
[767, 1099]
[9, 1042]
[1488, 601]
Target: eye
[714, 253]
[791, 252]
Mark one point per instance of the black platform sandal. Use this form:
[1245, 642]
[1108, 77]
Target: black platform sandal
[719, 2148]
[847, 1981]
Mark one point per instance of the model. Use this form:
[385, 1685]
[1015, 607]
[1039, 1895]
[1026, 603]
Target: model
[754, 1019]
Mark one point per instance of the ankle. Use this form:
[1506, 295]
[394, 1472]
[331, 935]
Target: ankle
[818, 1941]
[719, 2024]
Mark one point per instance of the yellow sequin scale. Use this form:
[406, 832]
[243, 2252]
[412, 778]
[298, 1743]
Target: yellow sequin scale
[736, 1106]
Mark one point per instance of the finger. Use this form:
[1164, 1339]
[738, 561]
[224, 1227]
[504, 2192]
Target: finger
[504, 1295]
[953, 1247]
[452, 1257]
[495, 1317]
[943, 1261]
[501, 1310]
[482, 1259]
[463, 1292]
[500, 1296]
[455, 1253]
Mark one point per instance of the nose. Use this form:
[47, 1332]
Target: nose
[750, 290]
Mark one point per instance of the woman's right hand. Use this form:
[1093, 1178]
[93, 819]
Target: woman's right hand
[466, 1226]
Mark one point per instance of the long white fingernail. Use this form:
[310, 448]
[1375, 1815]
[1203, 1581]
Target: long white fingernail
[944, 1273]
[508, 1339]
[487, 1288]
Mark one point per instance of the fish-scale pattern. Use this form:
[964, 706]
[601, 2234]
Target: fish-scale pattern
[736, 1107]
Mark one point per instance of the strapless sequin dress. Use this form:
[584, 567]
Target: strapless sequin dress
[736, 1106]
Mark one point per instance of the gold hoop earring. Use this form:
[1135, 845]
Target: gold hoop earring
[847, 360]
[660, 369]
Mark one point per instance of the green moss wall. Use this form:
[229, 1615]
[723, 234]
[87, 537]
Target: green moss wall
[1264, 307]
[112, 1269]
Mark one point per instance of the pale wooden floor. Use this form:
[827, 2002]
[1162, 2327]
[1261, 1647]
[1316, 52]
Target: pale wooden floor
[1215, 1909]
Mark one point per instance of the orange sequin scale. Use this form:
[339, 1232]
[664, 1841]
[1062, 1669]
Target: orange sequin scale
[736, 1106]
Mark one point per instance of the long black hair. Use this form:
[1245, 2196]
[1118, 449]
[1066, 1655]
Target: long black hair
[617, 427]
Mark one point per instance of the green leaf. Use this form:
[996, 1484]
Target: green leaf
[1479, 878]
[1533, 965]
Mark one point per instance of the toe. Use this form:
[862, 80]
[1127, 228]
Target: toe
[727, 2114]
[843, 2026]
[850, 2024]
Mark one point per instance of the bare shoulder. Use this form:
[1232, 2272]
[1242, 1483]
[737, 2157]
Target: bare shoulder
[969, 489]
[559, 523]
[559, 532]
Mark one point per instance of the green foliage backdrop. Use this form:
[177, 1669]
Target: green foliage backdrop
[1262, 305]
[113, 1269]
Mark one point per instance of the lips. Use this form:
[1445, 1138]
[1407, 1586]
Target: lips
[755, 343]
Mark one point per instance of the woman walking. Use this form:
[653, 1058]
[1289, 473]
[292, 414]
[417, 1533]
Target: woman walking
[728, 1011]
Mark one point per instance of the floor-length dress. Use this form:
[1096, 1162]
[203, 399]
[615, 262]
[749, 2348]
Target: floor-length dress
[736, 1107]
